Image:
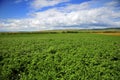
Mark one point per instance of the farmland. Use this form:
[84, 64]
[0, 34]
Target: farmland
[115, 34]
[61, 56]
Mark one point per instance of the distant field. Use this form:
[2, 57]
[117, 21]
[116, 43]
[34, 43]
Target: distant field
[114, 34]
[62, 56]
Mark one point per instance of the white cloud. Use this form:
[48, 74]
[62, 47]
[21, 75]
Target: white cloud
[71, 16]
[37, 4]
[76, 7]
[112, 3]
[19, 1]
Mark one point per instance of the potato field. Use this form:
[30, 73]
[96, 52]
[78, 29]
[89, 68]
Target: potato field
[61, 56]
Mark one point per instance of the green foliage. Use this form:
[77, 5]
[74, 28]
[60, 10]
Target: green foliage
[70, 56]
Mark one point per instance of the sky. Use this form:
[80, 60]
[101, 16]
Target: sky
[37, 15]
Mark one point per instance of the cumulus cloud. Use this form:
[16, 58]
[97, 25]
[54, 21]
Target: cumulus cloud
[72, 16]
[37, 4]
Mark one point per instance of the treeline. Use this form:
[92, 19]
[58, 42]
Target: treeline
[56, 32]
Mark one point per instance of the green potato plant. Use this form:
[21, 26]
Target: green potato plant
[69, 56]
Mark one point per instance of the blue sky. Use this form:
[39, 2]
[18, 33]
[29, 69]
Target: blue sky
[11, 9]
[35, 15]
[20, 8]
